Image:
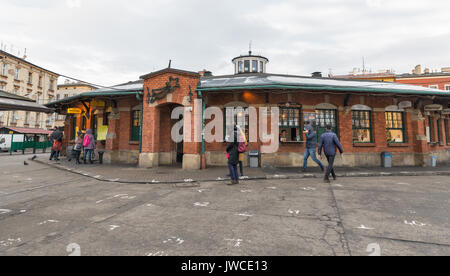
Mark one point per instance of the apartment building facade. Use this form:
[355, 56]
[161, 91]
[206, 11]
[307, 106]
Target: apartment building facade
[23, 78]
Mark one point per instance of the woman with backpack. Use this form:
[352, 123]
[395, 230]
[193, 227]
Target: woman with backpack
[89, 145]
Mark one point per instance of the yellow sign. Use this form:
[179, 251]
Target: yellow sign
[102, 132]
[73, 111]
[97, 103]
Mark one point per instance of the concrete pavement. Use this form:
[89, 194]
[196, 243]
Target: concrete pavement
[46, 211]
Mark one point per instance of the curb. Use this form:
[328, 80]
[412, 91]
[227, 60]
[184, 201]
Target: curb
[192, 182]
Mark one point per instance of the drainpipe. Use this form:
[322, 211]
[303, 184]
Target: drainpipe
[142, 115]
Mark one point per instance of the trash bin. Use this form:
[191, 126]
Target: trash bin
[254, 158]
[100, 156]
[433, 161]
[386, 160]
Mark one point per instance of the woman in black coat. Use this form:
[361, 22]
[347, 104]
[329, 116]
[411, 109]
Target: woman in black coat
[233, 160]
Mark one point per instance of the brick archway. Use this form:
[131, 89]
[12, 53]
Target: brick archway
[163, 91]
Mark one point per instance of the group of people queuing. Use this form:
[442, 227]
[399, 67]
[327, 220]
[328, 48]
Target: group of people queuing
[83, 143]
[328, 145]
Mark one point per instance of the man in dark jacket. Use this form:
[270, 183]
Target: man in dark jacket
[310, 150]
[329, 142]
[233, 160]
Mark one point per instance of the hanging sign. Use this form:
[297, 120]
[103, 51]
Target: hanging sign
[74, 111]
[96, 103]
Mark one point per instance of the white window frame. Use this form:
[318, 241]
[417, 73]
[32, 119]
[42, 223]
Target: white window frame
[16, 74]
[447, 87]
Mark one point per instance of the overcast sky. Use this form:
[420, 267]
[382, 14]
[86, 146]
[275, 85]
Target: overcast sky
[109, 42]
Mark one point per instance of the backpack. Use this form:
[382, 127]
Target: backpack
[86, 141]
[242, 147]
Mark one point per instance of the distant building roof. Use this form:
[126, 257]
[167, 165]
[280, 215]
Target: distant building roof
[273, 81]
[365, 76]
[23, 130]
[24, 61]
[424, 75]
[76, 84]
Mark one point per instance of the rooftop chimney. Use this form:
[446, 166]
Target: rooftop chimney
[417, 70]
[445, 70]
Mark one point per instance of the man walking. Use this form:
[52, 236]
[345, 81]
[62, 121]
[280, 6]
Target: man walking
[310, 150]
[329, 142]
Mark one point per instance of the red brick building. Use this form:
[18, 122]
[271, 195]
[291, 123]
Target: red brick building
[437, 80]
[370, 117]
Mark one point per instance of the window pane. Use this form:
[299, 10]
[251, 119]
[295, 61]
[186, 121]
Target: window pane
[247, 66]
[395, 136]
[254, 66]
[361, 136]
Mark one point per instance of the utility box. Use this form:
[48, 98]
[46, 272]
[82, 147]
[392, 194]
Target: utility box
[254, 158]
[386, 160]
[432, 161]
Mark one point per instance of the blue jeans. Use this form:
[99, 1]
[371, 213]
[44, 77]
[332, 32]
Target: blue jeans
[233, 171]
[86, 152]
[311, 152]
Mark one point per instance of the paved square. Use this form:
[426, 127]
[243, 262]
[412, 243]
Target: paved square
[44, 210]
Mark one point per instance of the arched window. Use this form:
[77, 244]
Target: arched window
[395, 124]
[362, 124]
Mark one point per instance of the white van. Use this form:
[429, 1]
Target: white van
[5, 141]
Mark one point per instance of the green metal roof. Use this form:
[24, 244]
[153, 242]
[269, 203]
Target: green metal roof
[272, 81]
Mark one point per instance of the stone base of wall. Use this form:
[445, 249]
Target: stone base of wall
[291, 159]
[167, 158]
[148, 160]
[121, 157]
[192, 161]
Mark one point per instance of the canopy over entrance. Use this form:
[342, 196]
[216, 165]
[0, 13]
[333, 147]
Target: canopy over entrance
[11, 102]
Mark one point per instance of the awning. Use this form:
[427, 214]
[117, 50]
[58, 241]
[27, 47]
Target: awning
[11, 102]
[24, 130]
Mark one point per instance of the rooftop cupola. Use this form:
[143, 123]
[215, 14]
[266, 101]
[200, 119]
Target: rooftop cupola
[250, 63]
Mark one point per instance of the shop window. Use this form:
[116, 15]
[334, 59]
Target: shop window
[261, 68]
[438, 127]
[106, 118]
[446, 122]
[236, 116]
[135, 125]
[430, 130]
[240, 67]
[94, 125]
[254, 66]
[362, 126]
[395, 127]
[290, 124]
[326, 117]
